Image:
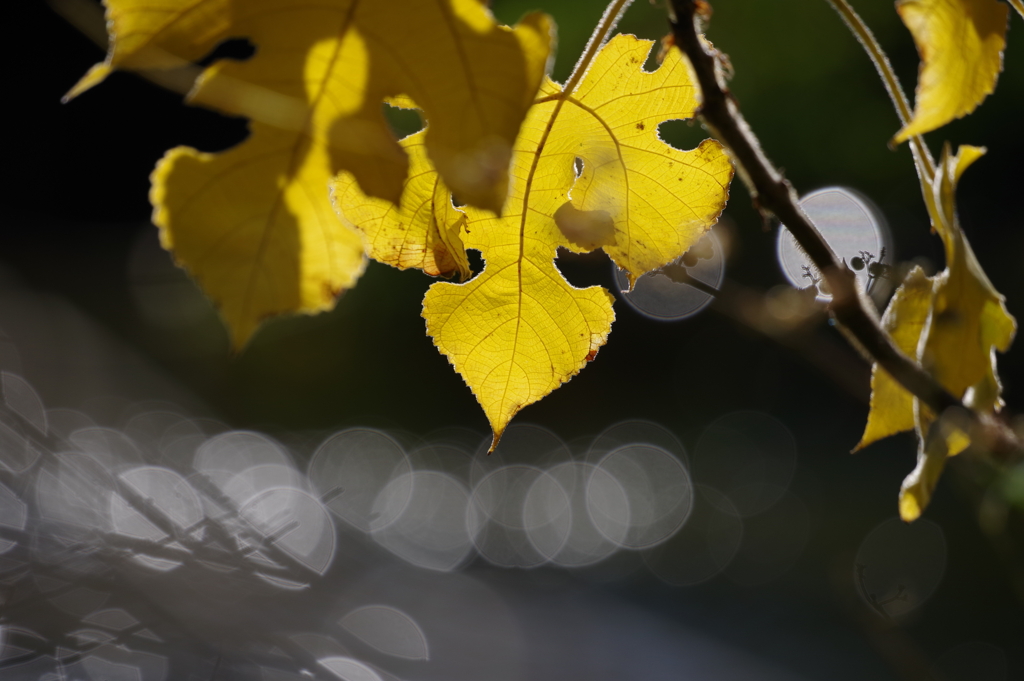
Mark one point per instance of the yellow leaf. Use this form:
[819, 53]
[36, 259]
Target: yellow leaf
[892, 406]
[917, 488]
[423, 231]
[961, 46]
[519, 330]
[953, 324]
[314, 91]
[969, 320]
[259, 243]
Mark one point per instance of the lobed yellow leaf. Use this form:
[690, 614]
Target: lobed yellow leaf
[961, 45]
[259, 243]
[519, 330]
[314, 90]
[422, 231]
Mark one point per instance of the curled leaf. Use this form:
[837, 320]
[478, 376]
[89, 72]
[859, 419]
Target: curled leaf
[422, 231]
[961, 45]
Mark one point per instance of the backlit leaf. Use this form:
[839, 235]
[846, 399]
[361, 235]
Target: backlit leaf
[245, 223]
[965, 322]
[961, 46]
[519, 330]
[892, 407]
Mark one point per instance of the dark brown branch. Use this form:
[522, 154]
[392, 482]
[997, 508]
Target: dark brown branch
[773, 194]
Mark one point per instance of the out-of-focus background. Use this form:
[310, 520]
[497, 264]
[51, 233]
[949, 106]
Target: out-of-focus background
[319, 505]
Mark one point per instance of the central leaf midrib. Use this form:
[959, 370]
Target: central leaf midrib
[304, 139]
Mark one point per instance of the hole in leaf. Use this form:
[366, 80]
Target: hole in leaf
[681, 134]
[578, 166]
[403, 122]
[476, 261]
[238, 49]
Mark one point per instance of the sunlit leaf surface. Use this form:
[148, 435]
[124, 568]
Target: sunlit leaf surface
[961, 45]
[254, 225]
[519, 329]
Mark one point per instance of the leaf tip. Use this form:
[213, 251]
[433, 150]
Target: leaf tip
[93, 77]
[910, 508]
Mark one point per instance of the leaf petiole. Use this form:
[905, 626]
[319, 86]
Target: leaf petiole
[923, 161]
[609, 20]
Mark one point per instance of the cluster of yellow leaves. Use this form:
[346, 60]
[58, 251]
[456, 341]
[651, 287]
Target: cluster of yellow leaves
[952, 323]
[518, 330]
[961, 45]
[254, 225]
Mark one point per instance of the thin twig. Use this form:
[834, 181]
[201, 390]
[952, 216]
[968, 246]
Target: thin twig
[773, 194]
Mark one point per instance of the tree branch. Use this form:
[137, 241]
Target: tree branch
[773, 194]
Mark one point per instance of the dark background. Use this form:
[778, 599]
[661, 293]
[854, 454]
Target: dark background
[76, 211]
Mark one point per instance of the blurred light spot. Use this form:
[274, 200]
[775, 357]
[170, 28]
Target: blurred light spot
[657, 490]
[23, 400]
[235, 451]
[495, 518]
[80, 601]
[168, 492]
[658, 296]
[348, 669]
[444, 457]
[749, 456]
[584, 543]
[899, 565]
[116, 663]
[849, 222]
[13, 515]
[63, 422]
[350, 469]
[388, 630]
[318, 645]
[91, 637]
[772, 542]
[295, 522]
[111, 618]
[76, 494]
[248, 483]
[147, 428]
[17, 453]
[973, 661]
[106, 445]
[547, 516]
[704, 546]
[421, 518]
[635, 431]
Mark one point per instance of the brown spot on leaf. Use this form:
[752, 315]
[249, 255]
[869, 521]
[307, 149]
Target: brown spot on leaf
[591, 355]
[585, 228]
[640, 126]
